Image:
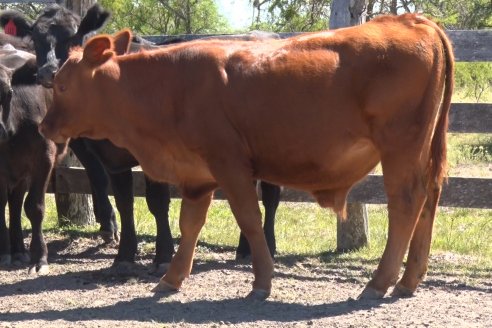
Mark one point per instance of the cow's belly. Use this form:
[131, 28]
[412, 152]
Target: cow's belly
[187, 170]
[322, 169]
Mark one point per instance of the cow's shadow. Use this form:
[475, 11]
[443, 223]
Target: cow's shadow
[233, 311]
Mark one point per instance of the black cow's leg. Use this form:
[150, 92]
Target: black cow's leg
[98, 178]
[158, 199]
[5, 257]
[270, 195]
[270, 198]
[17, 248]
[34, 207]
[123, 194]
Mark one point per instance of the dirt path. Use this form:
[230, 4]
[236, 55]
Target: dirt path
[80, 291]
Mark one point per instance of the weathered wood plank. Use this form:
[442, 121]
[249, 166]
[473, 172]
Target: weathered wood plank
[470, 118]
[458, 192]
[469, 45]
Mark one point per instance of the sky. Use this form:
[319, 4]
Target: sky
[237, 12]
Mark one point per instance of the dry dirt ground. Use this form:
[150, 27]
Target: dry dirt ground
[81, 291]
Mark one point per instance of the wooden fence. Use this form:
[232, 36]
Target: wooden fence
[469, 46]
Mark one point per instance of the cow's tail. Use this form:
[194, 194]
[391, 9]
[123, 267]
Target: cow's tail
[438, 159]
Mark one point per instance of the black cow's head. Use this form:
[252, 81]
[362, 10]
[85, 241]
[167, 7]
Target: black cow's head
[5, 98]
[55, 31]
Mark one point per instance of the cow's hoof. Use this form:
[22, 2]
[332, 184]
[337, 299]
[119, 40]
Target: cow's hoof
[243, 258]
[109, 237]
[123, 268]
[5, 260]
[159, 269]
[38, 269]
[401, 291]
[370, 293]
[258, 295]
[21, 259]
[164, 287]
[43, 269]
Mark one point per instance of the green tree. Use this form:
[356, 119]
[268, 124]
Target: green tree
[165, 16]
[474, 80]
[291, 15]
[458, 14]
[307, 15]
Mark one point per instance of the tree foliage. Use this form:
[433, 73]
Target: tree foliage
[291, 15]
[165, 16]
[308, 15]
[474, 80]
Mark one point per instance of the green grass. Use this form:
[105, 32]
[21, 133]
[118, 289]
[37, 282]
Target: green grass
[469, 148]
[304, 229]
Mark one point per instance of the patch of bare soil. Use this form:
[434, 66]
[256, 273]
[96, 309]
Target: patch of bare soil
[81, 291]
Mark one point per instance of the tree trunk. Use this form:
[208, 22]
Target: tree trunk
[352, 232]
[75, 208]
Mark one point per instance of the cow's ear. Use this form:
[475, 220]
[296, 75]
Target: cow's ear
[98, 50]
[93, 20]
[121, 41]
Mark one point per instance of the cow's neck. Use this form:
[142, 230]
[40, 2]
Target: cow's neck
[140, 116]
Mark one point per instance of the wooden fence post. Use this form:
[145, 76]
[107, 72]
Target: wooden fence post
[352, 232]
[73, 208]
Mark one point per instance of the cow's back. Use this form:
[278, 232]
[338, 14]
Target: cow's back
[315, 103]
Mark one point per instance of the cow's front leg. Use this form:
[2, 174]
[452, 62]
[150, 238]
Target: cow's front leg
[270, 195]
[191, 220]
[244, 204]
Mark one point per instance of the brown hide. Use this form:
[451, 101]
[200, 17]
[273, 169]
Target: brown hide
[314, 112]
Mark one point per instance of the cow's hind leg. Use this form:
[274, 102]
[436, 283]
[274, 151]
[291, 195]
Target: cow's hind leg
[270, 196]
[191, 220]
[406, 193]
[418, 253]
[19, 253]
[158, 198]
[99, 186]
[5, 256]
[122, 184]
[34, 207]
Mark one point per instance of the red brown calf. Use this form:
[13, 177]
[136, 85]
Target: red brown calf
[315, 112]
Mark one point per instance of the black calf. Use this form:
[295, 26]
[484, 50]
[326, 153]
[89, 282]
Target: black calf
[26, 161]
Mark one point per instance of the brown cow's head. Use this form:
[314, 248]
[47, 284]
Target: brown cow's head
[76, 94]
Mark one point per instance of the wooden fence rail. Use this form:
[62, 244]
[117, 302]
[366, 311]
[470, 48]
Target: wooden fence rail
[470, 46]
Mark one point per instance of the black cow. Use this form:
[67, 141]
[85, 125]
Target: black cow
[26, 162]
[48, 23]
[54, 32]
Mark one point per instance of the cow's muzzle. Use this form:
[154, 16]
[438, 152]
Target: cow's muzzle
[46, 75]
